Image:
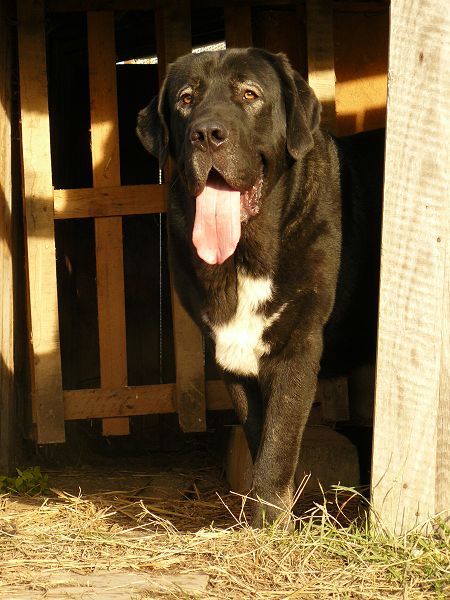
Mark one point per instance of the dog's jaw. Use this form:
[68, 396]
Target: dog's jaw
[251, 200]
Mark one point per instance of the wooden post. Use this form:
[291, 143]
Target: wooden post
[321, 78]
[108, 230]
[6, 246]
[238, 26]
[47, 395]
[411, 459]
[321, 75]
[173, 40]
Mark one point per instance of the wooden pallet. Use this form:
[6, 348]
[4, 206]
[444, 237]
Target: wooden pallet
[107, 201]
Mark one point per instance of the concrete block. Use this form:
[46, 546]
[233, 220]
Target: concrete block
[329, 456]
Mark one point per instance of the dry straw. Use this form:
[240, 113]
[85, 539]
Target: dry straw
[329, 555]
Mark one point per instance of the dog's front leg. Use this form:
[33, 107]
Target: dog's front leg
[288, 383]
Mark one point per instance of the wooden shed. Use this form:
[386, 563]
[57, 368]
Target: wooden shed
[80, 306]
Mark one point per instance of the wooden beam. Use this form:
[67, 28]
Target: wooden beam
[411, 460]
[238, 26]
[322, 79]
[109, 201]
[7, 437]
[174, 39]
[136, 400]
[102, 5]
[108, 231]
[99, 5]
[321, 76]
[47, 400]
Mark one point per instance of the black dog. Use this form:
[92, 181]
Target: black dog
[273, 229]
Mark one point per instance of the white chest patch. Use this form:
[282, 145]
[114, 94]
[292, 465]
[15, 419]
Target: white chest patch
[239, 344]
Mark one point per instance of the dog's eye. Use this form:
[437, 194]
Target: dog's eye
[250, 95]
[186, 98]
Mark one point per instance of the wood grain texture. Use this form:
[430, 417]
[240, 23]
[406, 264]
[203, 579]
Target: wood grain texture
[411, 460]
[108, 231]
[109, 201]
[238, 26]
[321, 76]
[46, 381]
[174, 39]
[6, 250]
[136, 400]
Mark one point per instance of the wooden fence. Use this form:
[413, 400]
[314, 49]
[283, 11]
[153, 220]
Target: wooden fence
[107, 201]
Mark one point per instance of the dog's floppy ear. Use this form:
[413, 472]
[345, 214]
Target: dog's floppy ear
[152, 129]
[303, 118]
[302, 109]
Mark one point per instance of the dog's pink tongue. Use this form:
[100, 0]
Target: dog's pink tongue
[217, 226]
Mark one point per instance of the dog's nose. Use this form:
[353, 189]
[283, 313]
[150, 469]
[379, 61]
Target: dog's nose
[209, 136]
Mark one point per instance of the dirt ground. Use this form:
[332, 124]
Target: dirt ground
[166, 526]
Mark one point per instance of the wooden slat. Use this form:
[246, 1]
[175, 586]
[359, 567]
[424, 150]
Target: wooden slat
[47, 402]
[411, 461]
[321, 75]
[108, 231]
[173, 28]
[238, 26]
[6, 249]
[136, 400]
[99, 5]
[283, 30]
[109, 201]
[102, 5]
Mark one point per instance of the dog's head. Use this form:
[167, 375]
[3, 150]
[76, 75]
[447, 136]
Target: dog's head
[229, 120]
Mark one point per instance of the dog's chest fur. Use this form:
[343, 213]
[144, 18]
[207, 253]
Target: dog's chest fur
[240, 342]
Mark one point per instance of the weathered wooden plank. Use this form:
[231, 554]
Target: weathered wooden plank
[136, 400]
[442, 475]
[7, 437]
[108, 231]
[411, 461]
[38, 200]
[174, 39]
[109, 201]
[321, 76]
[238, 26]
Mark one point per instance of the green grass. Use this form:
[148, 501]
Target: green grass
[29, 482]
